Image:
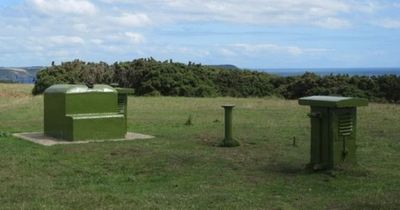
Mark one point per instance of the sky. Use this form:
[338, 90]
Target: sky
[248, 34]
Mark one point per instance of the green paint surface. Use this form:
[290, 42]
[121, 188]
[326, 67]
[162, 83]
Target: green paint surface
[229, 141]
[333, 130]
[76, 112]
[333, 101]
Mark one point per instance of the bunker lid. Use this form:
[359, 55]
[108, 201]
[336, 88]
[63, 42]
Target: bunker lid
[69, 89]
[333, 101]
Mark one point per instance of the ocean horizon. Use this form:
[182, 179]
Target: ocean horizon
[334, 71]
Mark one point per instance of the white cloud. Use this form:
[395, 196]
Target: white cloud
[57, 7]
[316, 50]
[253, 49]
[116, 1]
[261, 12]
[333, 23]
[267, 48]
[97, 41]
[131, 20]
[226, 52]
[81, 27]
[61, 53]
[134, 38]
[109, 28]
[367, 6]
[66, 40]
[294, 50]
[190, 51]
[389, 23]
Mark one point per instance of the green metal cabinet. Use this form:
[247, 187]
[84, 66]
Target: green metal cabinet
[333, 130]
[77, 112]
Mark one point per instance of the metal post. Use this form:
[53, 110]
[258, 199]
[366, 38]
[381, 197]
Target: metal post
[229, 141]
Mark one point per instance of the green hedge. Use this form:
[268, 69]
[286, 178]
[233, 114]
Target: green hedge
[151, 77]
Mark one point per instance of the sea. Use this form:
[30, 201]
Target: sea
[333, 71]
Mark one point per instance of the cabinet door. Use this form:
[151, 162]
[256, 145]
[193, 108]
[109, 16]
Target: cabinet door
[344, 132]
[320, 146]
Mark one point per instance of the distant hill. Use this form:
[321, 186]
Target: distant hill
[19, 74]
[224, 66]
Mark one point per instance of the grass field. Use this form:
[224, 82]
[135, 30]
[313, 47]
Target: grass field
[182, 168]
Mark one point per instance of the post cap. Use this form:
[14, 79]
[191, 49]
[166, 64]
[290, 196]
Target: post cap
[228, 105]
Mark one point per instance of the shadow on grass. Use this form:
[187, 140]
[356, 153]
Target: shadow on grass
[287, 168]
[293, 169]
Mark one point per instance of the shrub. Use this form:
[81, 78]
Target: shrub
[152, 78]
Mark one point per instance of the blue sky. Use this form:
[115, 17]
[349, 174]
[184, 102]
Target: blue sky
[249, 34]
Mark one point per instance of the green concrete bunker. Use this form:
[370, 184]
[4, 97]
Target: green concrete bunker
[79, 112]
[333, 130]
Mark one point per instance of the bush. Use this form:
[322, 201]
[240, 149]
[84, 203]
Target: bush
[75, 72]
[153, 78]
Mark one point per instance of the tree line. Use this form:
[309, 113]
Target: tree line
[150, 77]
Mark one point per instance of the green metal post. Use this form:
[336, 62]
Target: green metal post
[229, 141]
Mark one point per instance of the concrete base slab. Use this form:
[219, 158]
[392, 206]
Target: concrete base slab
[40, 138]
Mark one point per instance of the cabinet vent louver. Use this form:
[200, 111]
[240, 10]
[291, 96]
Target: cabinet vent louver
[345, 124]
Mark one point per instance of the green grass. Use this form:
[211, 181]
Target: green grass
[182, 168]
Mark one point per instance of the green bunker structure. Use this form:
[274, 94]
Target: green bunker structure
[79, 112]
[333, 130]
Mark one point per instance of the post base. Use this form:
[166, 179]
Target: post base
[229, 143]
